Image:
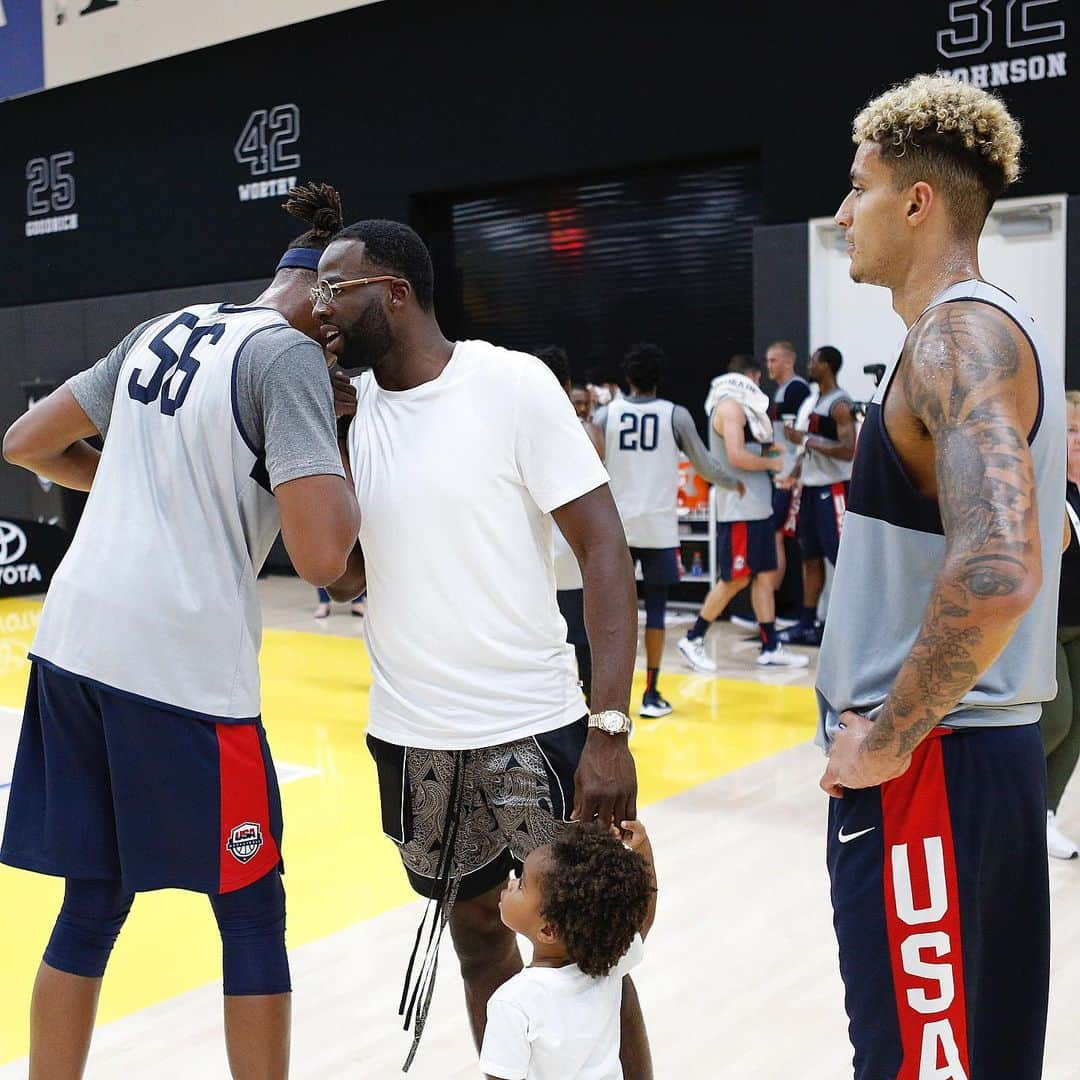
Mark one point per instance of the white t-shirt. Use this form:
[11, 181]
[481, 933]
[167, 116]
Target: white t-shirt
[557, 1023]
[567, 569]
[456, 480]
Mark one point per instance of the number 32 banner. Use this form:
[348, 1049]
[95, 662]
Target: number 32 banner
[47, 43]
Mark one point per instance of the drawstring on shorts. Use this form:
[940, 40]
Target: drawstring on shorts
[447, 883]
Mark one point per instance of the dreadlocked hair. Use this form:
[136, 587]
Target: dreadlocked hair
[319, 207]
[596, 894]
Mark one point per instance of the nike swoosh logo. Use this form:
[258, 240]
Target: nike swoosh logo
[846, 838]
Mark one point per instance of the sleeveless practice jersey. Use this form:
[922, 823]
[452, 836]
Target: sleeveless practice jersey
[820, 470]
[786, 402]
[156, 595]
[642, 459]
[893, 546]
[756, 504]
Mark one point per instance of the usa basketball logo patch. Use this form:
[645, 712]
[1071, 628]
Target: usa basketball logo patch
[245, 841]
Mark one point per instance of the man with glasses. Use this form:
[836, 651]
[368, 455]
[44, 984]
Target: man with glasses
[142, 762]
[461, 454]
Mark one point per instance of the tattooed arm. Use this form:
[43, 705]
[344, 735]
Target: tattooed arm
[966, 378]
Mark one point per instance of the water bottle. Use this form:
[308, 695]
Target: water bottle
[696, 567]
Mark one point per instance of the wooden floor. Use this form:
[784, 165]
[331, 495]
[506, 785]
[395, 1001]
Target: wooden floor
[740, 980]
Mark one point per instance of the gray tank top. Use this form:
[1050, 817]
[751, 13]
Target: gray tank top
[893, 545]
[756, 504]
[820, 470]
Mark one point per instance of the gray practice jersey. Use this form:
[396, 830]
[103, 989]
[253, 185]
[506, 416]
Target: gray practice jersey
[204, 412]
[756, 504]
[820, 470]
[787, 400]
[642, 440]
[893, 545]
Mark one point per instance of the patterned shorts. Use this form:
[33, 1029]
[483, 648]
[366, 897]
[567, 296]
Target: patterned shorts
[513, 798]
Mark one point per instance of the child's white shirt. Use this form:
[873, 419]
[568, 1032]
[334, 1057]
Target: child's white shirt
[557, 1023]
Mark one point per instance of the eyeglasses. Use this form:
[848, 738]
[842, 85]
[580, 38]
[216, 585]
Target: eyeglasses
[325, 291]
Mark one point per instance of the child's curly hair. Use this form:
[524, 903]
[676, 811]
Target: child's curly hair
[934, 126]
[596, 892]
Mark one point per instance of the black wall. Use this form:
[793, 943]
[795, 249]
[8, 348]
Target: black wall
[404, 102]
[782, 288]
[403, 98]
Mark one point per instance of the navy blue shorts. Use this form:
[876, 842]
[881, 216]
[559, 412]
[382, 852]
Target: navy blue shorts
[745, 548]
[821, 517]
[942, 910]
[781, 507]
[659, 566]
[108, 786]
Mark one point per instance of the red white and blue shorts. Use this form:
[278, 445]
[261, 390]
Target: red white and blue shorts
[941, 907]
[108, 785]
[745, 548]
[821, 518]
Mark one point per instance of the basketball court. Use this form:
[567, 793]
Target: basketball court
[729, 792]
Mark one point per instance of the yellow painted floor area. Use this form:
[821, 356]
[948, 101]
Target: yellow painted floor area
[340, 868]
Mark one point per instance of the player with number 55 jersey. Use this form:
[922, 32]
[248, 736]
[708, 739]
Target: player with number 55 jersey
[142, 762]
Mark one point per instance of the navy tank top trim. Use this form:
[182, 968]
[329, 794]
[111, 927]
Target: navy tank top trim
[880, 485]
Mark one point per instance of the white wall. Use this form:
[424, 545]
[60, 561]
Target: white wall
[860, 322]
[134, 32]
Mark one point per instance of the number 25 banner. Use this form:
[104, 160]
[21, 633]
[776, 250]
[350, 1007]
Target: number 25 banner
[47, 43]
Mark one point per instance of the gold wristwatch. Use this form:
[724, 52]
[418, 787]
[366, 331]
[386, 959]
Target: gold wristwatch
[610, 721]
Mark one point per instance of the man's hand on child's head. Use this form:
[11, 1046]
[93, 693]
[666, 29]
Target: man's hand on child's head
[633, 835]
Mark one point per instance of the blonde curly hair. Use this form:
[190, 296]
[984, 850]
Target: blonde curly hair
[934, 127]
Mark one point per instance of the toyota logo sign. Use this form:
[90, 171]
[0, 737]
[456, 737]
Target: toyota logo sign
[12, 543]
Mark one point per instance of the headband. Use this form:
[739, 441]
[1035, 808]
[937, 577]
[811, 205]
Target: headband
[302, 258]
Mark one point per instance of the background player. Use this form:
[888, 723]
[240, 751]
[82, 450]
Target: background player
[824, 470]
[941, 649]
[581, 399]
[643, 436]
[746, 545]
[791, 391]
[142, 763]
[569, 589]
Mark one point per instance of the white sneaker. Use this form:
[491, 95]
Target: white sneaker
[1058, 845]
[321, 611]
[654, 705]
[693, 650]
[785, 624]
[743, 624]
[780, 657]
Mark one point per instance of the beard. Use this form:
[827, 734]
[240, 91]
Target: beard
[366, 341]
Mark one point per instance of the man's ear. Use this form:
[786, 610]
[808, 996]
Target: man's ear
[921, 199]
[399, 292]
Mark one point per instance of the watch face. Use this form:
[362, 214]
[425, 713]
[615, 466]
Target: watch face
[612, 723]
